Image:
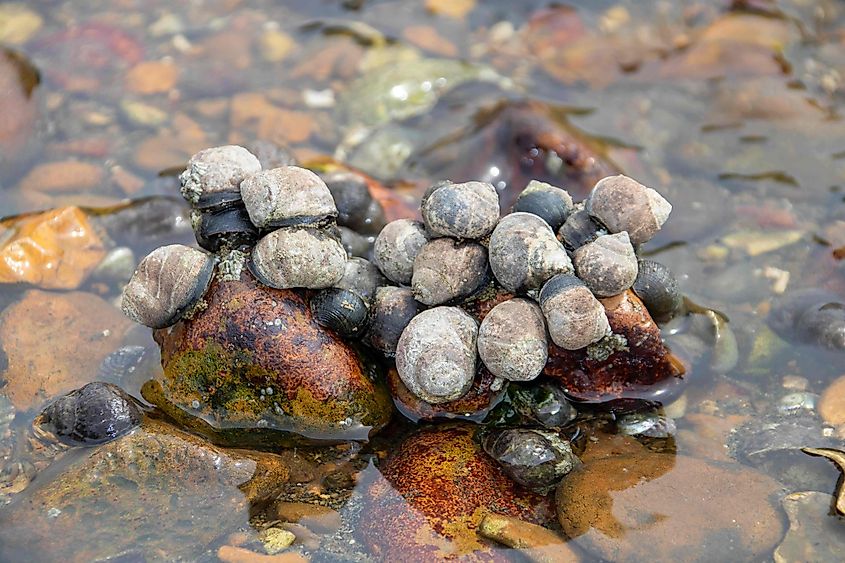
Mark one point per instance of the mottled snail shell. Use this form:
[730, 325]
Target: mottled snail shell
[536, 459]
[436, 354]
[229, 227]
[574, 317]
[356, 207]
[550, 203]
[608, 265]
[623, 204]
[392, 310]
[94, 414]
[298, 257]
[287, 196]
[465, 211]
[362, 278]
[447, 269]
[396, 248]
[658, 289]
[580, 229]
[512, 340]
[168, 282]
[213, 176]
[524, 253]
[341, 310]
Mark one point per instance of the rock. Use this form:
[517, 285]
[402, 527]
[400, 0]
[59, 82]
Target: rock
[255, 368]
[275, 45]
[152, 77]
[436, 488]
[157, 490]
[18, 23]
[313, 516]
[254, 114]
[661, 507]
[46, 359]
[814, 534]
[832, 404]
[231, 554]
[536, 543]
[56, 249]
[616, 370]
[456, 9]
[18, 81]
[62, 177]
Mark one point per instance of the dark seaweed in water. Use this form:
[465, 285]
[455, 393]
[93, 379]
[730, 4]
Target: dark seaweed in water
[94, 414]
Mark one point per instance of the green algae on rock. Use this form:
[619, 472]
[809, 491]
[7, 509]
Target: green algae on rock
[254, 368]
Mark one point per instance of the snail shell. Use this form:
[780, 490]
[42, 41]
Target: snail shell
[356, 207]
[658, 289]
[341, 310]
[287, 196]
[579, 229]
[551, 204]
[356, 244]
[396, 247]
[361, 277]
[446, 269]
[536, 459]
[94, 414]
[512, 340]
[392, 310]
[623, 204]
[169, 281]
[608, 265]
[213, 176]
[524, 253]
[574, 316]
[298, 257]
[436, 354]
[466, 211]
[226, 228]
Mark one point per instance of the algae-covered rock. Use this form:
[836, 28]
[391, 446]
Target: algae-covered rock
[253, 368]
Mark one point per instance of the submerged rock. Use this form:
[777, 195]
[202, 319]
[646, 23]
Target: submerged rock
[254, 368]
[814, 534]
[438, 485]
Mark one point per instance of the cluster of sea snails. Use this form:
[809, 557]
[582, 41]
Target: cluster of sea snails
[293, 229]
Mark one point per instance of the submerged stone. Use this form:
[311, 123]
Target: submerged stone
[814, 534]
[254, 368]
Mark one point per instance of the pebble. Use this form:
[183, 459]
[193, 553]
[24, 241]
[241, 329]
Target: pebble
[276, 540]
[63, 176]
[59, 325]
[232, 554]
[152, 77]
[18, 23]
[275, 45]
[456, 9]
[56, 249]
[814, 534]
[661, 507]
[139, 113]
[832, 403]
[536, 543]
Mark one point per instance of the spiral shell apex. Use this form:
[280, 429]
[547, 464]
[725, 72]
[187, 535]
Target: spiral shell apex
[214, 175]
[287, 196]
[436, 354]
[167, 283]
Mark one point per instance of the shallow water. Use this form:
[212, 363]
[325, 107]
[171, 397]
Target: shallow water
[731, 110]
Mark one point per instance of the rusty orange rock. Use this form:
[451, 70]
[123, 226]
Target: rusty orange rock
[643, 370]
[65, 337]
[55, 249]
[254, 367]
[436, 488]
[152, 77]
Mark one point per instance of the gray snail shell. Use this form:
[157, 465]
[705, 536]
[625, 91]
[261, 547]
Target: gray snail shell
[823, 323]
[223, 229]
[465, 211]
[362, 278]
[574, 317]
[658, 289]
[608, 265]
[94, 414]
[536, 459]
[396, 247]
[341, 310]
[436, 354]
[298, 257]
[287, 196]
[356, 207]
[391, 311]
[550, 203]
[524, 253]
[512, 340]
[168, 282]
[580, 229]
[623, 204]
[213, 176]
[447, 269]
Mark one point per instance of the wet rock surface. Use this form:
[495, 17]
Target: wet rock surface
[814, 534]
